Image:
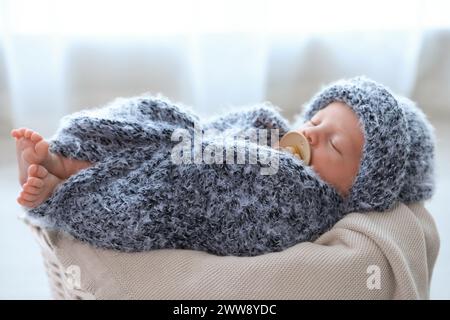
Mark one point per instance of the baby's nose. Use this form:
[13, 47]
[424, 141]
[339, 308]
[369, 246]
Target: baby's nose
[310, 135]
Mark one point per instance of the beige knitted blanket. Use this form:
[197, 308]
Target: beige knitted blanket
[386, 255]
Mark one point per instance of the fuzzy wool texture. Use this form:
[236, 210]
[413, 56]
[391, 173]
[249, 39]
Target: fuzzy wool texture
[135, 198]
[398, 156]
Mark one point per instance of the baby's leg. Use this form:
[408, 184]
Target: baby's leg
[33, 149]
[38, 187]
[63, 167]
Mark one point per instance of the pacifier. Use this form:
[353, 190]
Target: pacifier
[297, 144]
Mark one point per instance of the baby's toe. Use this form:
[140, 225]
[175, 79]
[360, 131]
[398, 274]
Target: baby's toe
[27, 196]
[23, 202]
[15, 133]
[37, 171]
[28, 133]
[18, 133]
[34, 182]
[31, 190]
[32, 170]
[36, 137]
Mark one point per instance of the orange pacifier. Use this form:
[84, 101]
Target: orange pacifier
[297, 144]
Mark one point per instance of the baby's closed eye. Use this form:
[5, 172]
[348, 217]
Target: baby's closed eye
[335, 146]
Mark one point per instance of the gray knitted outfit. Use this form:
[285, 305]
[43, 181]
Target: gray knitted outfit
[135, 198]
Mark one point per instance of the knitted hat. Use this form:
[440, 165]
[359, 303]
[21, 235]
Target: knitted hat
[398, 153]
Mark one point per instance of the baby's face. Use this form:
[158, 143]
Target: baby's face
[336, 139]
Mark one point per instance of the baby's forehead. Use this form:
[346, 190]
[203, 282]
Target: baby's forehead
[339, 112]
[336, 107]
[343, 119]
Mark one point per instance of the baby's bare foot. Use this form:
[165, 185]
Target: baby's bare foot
[31, 149]
[38, 187]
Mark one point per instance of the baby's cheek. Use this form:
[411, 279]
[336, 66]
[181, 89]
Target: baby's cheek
[321, 158]
[328, 168]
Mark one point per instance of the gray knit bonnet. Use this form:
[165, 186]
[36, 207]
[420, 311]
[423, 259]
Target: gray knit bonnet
[398, 154]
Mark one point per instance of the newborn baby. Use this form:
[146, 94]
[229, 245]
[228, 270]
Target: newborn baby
[108, 178]
[334, 135]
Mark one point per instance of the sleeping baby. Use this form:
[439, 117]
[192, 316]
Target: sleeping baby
[108, 176]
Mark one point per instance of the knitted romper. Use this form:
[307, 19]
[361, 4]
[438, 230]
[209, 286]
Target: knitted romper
[136, 198]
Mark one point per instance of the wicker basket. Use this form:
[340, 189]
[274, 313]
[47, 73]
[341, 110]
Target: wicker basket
[61, 283]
